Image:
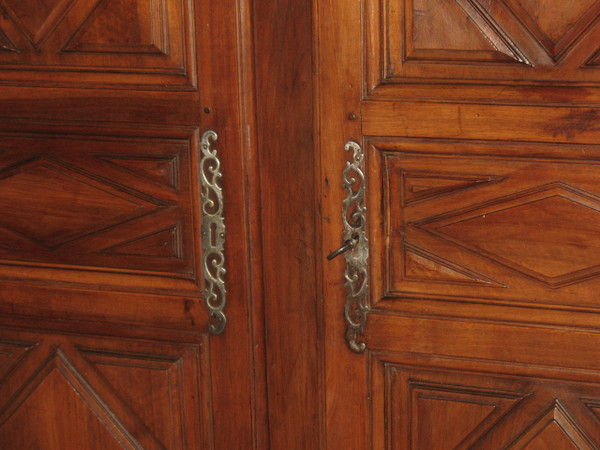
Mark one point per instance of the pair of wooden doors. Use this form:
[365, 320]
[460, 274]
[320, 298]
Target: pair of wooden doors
[472, 171]
[474, 125]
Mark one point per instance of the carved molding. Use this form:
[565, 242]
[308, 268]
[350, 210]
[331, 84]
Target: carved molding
[569, 205]
[144, 42]
[132, 213]
[475, 39]
[509, 411]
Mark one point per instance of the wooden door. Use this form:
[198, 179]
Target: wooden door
[477, 123]
[105, 112]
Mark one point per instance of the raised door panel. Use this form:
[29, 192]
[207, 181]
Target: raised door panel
[474, 39]
[77, 392]
[99, 42]
[515, 44]
[474, 227]
[448, 408]
[90, 221]
[103, 202]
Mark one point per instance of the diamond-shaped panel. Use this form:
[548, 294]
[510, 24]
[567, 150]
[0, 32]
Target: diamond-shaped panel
[551, 233]
[50, 203]
[50, 414]
[148, 384]
[552, 437]
[556, 25]
[36, 19]
[57, 408]
[556, 429]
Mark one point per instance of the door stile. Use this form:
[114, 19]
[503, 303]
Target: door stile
[339, 90]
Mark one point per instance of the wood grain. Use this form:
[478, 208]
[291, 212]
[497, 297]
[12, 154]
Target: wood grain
[287, 161]
[339, 91]
[453, 359]
[485, 121]
[103, 105]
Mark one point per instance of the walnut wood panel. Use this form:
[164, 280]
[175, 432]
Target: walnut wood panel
[69, 392]
[107, 42]
[449, 408]
[500, 47]
[469, 40]
[482, 228]
[99, 203]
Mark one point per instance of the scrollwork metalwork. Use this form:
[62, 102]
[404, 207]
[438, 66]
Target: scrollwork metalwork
[356, 274]
[213, 232]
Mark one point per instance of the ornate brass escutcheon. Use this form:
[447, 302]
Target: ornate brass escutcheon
[355, 248]
[213, 232]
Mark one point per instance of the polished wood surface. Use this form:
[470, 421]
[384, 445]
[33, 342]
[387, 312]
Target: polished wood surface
[104, 328]
[478, 122]
[287, 164]
[481, 158]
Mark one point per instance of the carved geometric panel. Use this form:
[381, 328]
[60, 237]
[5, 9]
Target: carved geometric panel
[151, 386]
[440, 410]
[11, 354]
[39, 424]
[51, 406]
[555, 429]
[476, 41]
[548, 217]
[69, 201]
[6, 45]
[108, 29]
[166, 244]
[420, 186]
[471, 40]
[434, 408]
[37, 19]
[552, 436]
[528, 231]
[124, 42]
[77, 206]
[556, 25]
[594, 407]
[162, 170]
[422, 265]
[96, 392]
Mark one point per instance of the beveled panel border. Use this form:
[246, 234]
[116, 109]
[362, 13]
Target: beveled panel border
[522, 390]
[479, 81]
[487, 300]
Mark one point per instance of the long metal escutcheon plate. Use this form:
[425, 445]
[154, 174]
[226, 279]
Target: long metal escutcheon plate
[356, 274]
[213, 232]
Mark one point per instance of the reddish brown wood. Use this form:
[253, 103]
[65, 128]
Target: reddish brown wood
[287, 160]
[339, 92]
[478, 128]
[126, 391]
[103, 106]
